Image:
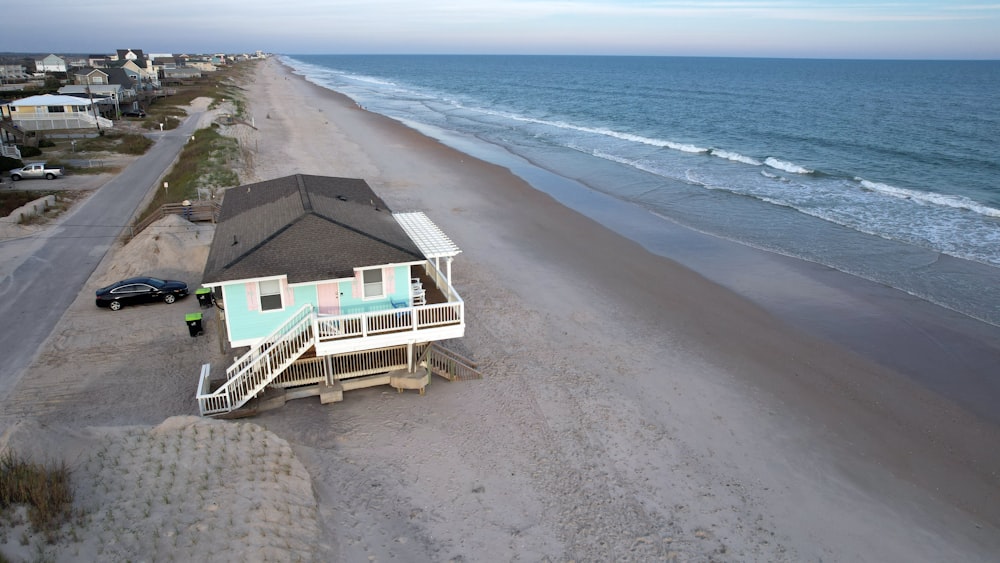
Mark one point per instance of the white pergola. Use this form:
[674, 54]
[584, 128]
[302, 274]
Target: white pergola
[429, 238]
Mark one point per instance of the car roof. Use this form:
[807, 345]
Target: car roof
[140, 279]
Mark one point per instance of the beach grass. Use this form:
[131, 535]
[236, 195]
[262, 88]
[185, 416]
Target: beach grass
[205, 163]
[124, 143]
[12, 199]
[45, 489]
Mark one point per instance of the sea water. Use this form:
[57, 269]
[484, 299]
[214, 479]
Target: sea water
[887, 170]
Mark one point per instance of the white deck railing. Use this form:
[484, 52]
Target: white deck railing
[360, 325]
[271, 361]
[65, 120]
[265, 361]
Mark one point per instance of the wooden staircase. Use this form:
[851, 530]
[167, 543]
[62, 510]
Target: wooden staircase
[9, 131]
[252, 372]
[447, 364]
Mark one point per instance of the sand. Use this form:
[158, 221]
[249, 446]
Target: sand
[632, 410]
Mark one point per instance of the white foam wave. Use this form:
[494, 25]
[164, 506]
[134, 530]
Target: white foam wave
[957, 202]
[315, 72]
[786, 166]
[369, 79]
[631, 137]
[638, 165]
[736, 157]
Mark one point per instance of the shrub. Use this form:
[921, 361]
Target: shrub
[46, 143]
[28, 152]
[8, 163]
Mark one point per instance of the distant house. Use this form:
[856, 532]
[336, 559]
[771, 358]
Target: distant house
[90, 76]
[134, 55]
[179, 74]
[51, 63]
[109, 87]
[328, 288]
[10, 72]
[146, 75]
[129, 68]
[49, 111]
[98, 61]
[108, 97]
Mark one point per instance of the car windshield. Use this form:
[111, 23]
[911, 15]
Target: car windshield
[157, 282]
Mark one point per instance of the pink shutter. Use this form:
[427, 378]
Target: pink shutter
[253, 296]
[356, 287]
[389, 276]
[289, 294]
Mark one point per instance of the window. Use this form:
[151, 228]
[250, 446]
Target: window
[373, 282]
[57, 109]
[270, 295]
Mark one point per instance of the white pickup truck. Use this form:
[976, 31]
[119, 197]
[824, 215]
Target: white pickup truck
[36, 170]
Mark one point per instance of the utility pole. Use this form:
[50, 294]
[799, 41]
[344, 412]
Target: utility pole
[97, 119]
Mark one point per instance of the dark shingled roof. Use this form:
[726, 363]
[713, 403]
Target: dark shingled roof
[306, 227]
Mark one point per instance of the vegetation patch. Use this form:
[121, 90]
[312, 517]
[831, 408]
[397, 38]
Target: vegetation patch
[8, 163]
[205, 164]
[64, 200]
[44, 489]
[12, 199]
[124, 143]
[91, 170]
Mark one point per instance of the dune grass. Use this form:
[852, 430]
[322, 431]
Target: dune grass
[46, 490]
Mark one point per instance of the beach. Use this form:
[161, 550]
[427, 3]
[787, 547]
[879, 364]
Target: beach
[632, 408]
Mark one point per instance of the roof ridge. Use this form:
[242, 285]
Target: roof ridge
[365, 234]
[307, 206]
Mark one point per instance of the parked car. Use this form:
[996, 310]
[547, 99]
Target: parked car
[36, 170]
[134, 113]
[140, 290]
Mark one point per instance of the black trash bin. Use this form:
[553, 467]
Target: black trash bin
[204, 296]
[194, 324]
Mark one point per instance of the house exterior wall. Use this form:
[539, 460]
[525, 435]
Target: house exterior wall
[51, 63]
[246, 323]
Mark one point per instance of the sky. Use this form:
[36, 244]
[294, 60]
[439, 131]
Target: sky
[901, 29]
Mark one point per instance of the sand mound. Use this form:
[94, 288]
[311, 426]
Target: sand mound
[167, 248]
[190, 489]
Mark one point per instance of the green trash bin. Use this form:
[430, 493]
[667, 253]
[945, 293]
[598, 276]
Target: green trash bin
[193, 321]
[204, 296]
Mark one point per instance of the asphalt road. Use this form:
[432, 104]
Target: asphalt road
[36, 294]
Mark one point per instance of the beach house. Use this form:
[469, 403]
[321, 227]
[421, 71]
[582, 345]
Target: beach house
[48, 112]
[325, 290]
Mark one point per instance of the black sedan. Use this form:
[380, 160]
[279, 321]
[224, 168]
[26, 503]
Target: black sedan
[140, 290]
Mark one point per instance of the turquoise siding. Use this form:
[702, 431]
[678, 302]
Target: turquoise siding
[350, 304]
[245, 324]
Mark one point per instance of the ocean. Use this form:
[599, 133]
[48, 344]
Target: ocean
[886, 170]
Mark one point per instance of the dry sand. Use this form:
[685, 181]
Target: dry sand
[632, 409]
